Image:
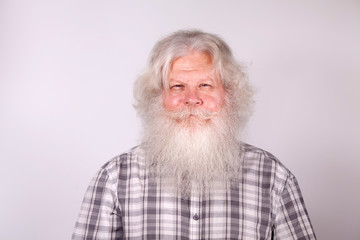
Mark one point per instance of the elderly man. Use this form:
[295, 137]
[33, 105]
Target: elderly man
[191, 177]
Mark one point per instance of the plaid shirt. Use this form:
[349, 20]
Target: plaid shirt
[123, 203]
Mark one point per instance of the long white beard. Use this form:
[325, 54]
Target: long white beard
[193, 152]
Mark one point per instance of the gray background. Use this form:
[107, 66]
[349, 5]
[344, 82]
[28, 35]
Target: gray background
[66, 75]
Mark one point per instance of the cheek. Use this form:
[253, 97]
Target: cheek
[171, 102]
[214, 103]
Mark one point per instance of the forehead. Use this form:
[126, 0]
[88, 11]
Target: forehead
[191, 62]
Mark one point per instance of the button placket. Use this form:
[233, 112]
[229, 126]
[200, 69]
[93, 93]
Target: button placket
[194, 215]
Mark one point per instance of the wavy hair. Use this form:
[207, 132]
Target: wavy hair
[148, 87]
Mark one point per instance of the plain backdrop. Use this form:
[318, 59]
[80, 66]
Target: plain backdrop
[67, 69]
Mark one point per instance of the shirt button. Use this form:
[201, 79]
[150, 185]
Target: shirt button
[196, 217]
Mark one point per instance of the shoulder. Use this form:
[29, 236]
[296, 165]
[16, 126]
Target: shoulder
[262, 161]
[123, 162]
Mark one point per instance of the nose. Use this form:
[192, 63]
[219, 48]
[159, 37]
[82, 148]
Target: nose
[193, 98]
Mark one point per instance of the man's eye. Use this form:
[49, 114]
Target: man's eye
[205, 85]
[177, 86]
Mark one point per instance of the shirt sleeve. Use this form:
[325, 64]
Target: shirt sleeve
[100, 216]
[292, 220]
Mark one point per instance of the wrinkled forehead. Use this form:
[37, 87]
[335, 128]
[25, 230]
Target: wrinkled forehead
[192, 60]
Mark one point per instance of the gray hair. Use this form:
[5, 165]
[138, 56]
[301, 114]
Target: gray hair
[148, 87]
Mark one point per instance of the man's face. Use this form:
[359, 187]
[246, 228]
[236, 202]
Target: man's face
[192, 83]
[190, 140]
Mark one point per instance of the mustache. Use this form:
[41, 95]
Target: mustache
[201, 114]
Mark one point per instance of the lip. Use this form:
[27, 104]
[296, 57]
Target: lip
[194, 116]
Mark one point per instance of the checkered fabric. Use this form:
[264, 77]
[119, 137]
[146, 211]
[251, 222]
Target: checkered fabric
[123, 203]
